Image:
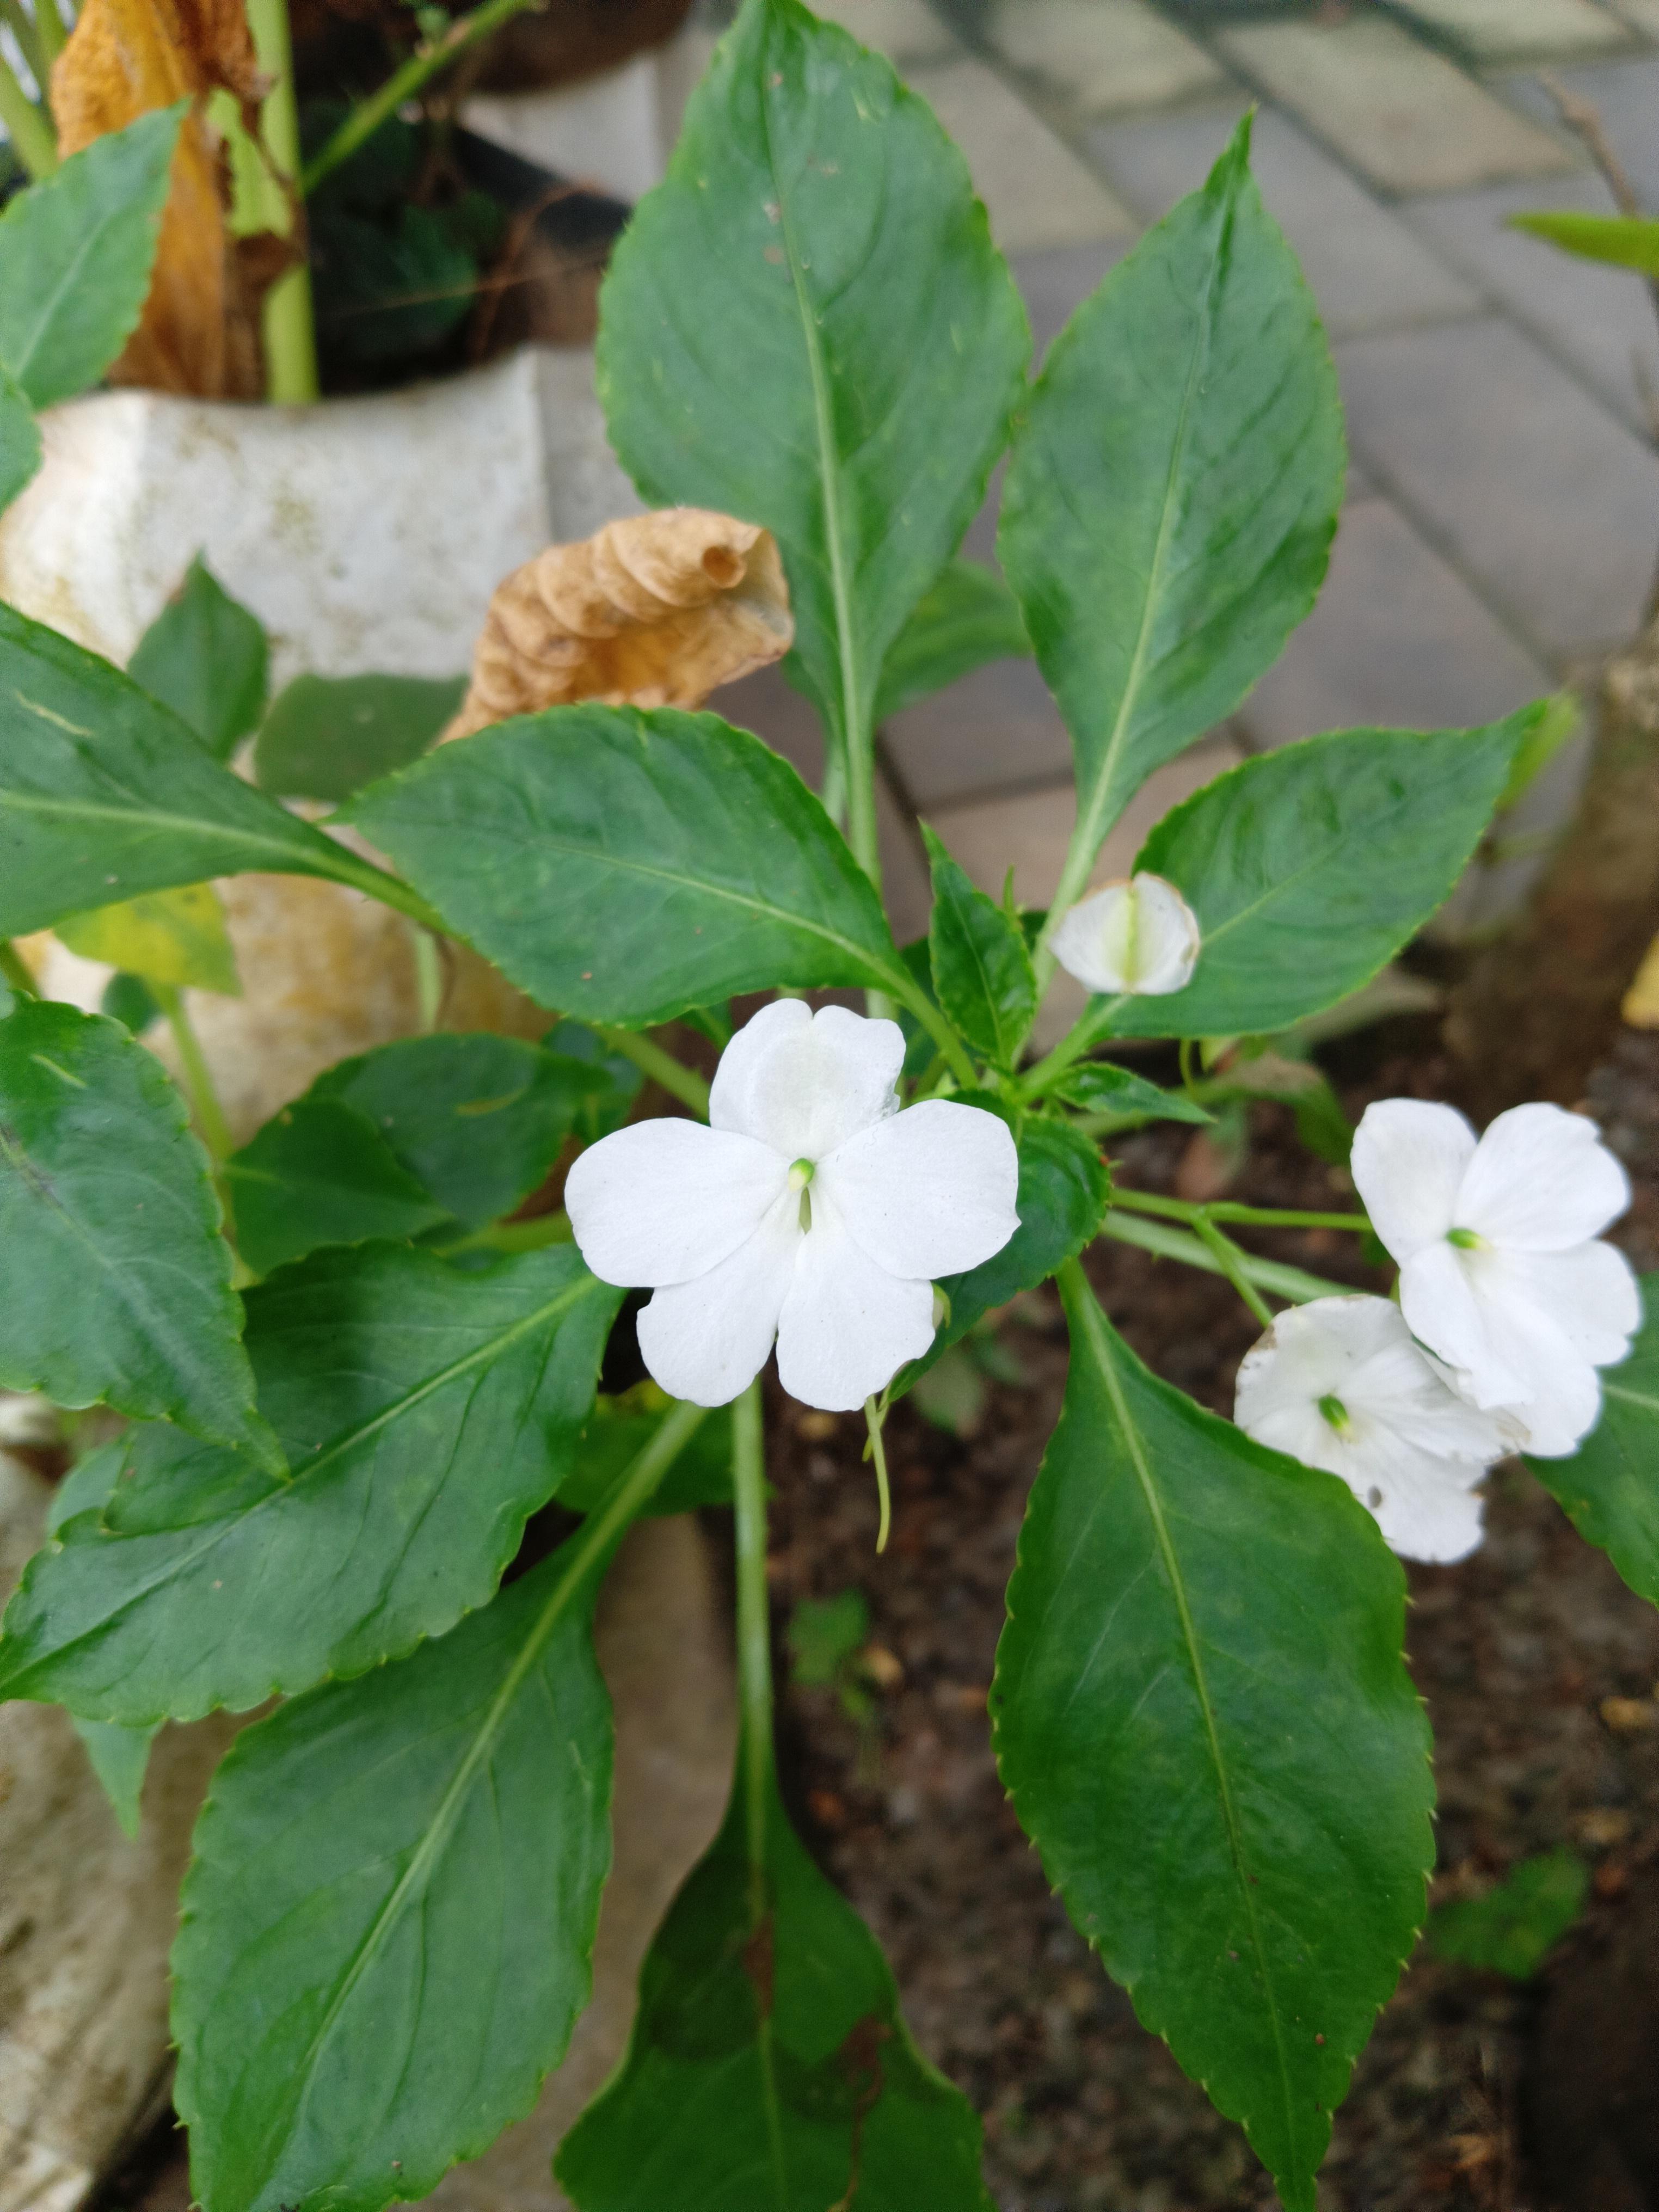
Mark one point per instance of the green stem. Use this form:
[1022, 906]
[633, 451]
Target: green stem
[1166, 1243]
[679, 1081]
[637, 1485]
[14, 971]
[910, 993]
[291, 336]
[390, 890]
[28, 42]
[1231, 1260]
[52, 31]
[428, 979]
[1257, 1217]
[875, 1415]
[34, 139]
[754, 1622]
[198, 1078]
[366, 118]
[1092, 1024]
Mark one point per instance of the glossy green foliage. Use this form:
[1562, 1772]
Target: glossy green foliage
[426, 1413]
[1204, 1718]
[769, 2067]
[981, 970]
[1174, 487]
[618, 1429]
[120, 1759]
[117, 1282]
[818, 229]
[1100, 1086]
[20, 439]
[75, 252]
[1609, 1489]
[1309, 867]
[320, 1173]
[623, 865]
[387, 1926]
[103, 792]
[968, 619]
[1513, 1928]
[1629, 241]
[326, 736]
[204, 656]
[477, 1120]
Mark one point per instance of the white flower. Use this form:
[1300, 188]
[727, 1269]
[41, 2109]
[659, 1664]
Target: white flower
[1139, 936]
[809, 1209]
[1499, 1271]
[1340, 1384]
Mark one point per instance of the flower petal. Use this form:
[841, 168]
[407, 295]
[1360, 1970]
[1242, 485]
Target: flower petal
[927, 1192]
[803, 1082]
[708, 1339]
[1541, 1180]
[1408, 1163]
[1590, 1294]
[664, 1202]
[847, 1326]
[1442, 1300]
[1426, 1508]
[1139, 936]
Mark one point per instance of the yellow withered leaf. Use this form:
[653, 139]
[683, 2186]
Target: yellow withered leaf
[176, 937]
[656, 611]
[199, 330]
[1641, 1006]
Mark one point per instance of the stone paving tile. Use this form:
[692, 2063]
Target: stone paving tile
[1506, 30]
[1542, 495]
[1393, 108]
[1642, 14]
[1599, 319]
[1038, 194]
[1397, 641]
[903, 30]
[1054, 283]
[1095, 58]
[1368, 270]
[1626, 97]
[997, 729]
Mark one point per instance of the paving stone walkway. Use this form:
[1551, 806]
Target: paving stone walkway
[1503, 504]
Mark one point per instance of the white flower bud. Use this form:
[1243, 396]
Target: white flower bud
[1137, 936]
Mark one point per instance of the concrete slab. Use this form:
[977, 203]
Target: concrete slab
[1504, 30]
[1625, 96]
[1101, 57]
[1599, 319]
[1038, 194]
[1398, 640]
[1054, 283]
[1368, 269]
[1393, 108]
[996, 730]
[903, 30]
[1507, 462]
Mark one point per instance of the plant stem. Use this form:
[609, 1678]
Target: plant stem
[1258, 1216]
[1091, 1025]
[875, 1415]
[679, 1081]
[754, 1623]
[14, 972]
[290, 332]
[34, 139]
[198, 1079]
[1231, 1260]
[1166, 1243]
[911, 994]
[366, 118]
[428, 979]
[28, 41]
[390, 890]
[52, 31]
[638, 1483]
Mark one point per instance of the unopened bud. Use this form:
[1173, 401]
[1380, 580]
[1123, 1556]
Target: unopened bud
[1137, 936]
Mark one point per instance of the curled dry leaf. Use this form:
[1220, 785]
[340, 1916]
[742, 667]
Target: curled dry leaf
[199, 333]
[654, 611]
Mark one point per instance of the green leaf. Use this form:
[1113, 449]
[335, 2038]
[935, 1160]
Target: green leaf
[120, 1759]
[1514, 1926]
[982, 972]
[130, 1000]
[388, 1922]
[477, 1120]
[623, 865]
[104, 793]
[816, 224]
[1173, 492]
[325, 737]
[969, 617]
[1099, 1087]
[176, 937]
[1203, 1716]
[1630, 241]
[1609, 1489]
[769, 2068]
[823, 1633]
[204, 656]
[19, 441]
[1310, 867]
[320, 1173]
[116, 1279]
[426, 1413]
[619, 1428]
[75, 253]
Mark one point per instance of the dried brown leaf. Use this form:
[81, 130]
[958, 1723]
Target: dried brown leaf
[656, 611]
[199, 330]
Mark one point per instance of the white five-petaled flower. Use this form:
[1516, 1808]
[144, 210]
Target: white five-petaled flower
[1138, 936]
[1500, 1272]
[809, 1209]
[1340, 1384]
